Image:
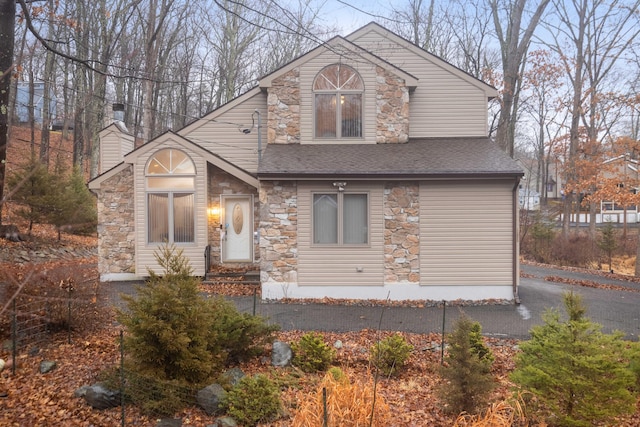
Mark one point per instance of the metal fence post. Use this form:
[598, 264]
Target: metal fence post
[122, 411]
[69, 320]
[444, 314]
[14, 337]
[255, 297]
[325, 414]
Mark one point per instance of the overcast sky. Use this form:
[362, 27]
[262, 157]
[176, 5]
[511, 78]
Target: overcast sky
[352, 15]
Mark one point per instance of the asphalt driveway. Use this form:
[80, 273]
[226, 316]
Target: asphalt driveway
[615, 308]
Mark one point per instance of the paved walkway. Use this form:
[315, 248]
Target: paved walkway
[614, 309]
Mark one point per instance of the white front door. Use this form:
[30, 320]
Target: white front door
[237, 244]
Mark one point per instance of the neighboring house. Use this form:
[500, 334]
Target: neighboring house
[362, 170]
[621, 171]
[529, 199]
[23, 102]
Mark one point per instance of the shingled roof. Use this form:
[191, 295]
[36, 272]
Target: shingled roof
[418, 158]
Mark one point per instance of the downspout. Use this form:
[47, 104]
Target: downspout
[259, 136]
[516, 241]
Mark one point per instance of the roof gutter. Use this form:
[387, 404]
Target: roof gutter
[516, 241]
[382, 177]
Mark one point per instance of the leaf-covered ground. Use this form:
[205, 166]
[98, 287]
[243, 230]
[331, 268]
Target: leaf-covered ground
[30, 398]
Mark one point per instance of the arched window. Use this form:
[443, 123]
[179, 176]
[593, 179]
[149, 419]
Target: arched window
[170, 181]
[338, 92]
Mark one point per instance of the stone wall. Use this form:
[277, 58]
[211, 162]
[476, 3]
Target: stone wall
[401, 233]
[221, 183]
[392, 108]
[279, 232]
[283, 107]
[116, 224]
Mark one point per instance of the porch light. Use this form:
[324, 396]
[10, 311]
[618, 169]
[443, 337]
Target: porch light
[213, 211]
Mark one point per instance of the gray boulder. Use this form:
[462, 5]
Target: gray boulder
[224, 422]
[210, 397]
[170, 422]
[100, 397]
[47, 366]
[281, 354]
[232, 376]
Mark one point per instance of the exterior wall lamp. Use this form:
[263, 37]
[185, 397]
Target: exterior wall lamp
[340, 185]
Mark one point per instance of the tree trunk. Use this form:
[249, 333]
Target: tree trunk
[49, 80]
[7, 39]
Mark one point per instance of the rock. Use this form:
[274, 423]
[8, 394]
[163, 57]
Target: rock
[47, 366]
[170, 422]
[338, 344]
[10, 232]
[81, 392]
[281, 354]
[210, 397]
[224, 422]
[99, 397]
[233, 376]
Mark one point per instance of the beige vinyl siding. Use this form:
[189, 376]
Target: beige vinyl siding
[221, 131]
[113, 146]
[320, 265]
[466, 233]
[444, 104]
[308, 72]
[194, 251]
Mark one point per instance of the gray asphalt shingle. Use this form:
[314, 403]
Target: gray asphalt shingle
[425, 157]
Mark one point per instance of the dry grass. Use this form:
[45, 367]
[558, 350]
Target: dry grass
[349, 404]
[500, 414]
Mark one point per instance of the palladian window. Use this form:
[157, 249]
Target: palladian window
[170, 182]
[338, 92]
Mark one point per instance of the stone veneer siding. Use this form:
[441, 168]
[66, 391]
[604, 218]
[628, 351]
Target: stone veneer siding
[116, 224]
[283, 109]
[279, 232]
[392, 108]
[402, 233]
[223, 184]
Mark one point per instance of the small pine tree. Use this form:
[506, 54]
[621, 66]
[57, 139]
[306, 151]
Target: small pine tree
[580, 375]
[70, 203]
[29, 187]
[169, 325]
[607, 242]
[467, 371]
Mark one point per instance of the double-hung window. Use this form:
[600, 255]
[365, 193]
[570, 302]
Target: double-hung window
[340, 218]
[338, 92]
[170, 181]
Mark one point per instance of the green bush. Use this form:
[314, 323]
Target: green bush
[253, 400]
[580, 376]
[390, 354]
[173, 333]
[240, 336]
[311, 353]
[467, 371]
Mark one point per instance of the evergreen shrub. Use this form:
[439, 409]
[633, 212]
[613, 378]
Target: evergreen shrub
[390, 354]
[467, 369]
[253, 400]
[579, 375]
[311, 353]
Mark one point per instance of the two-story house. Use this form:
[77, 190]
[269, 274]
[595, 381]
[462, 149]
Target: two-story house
[362, 169]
